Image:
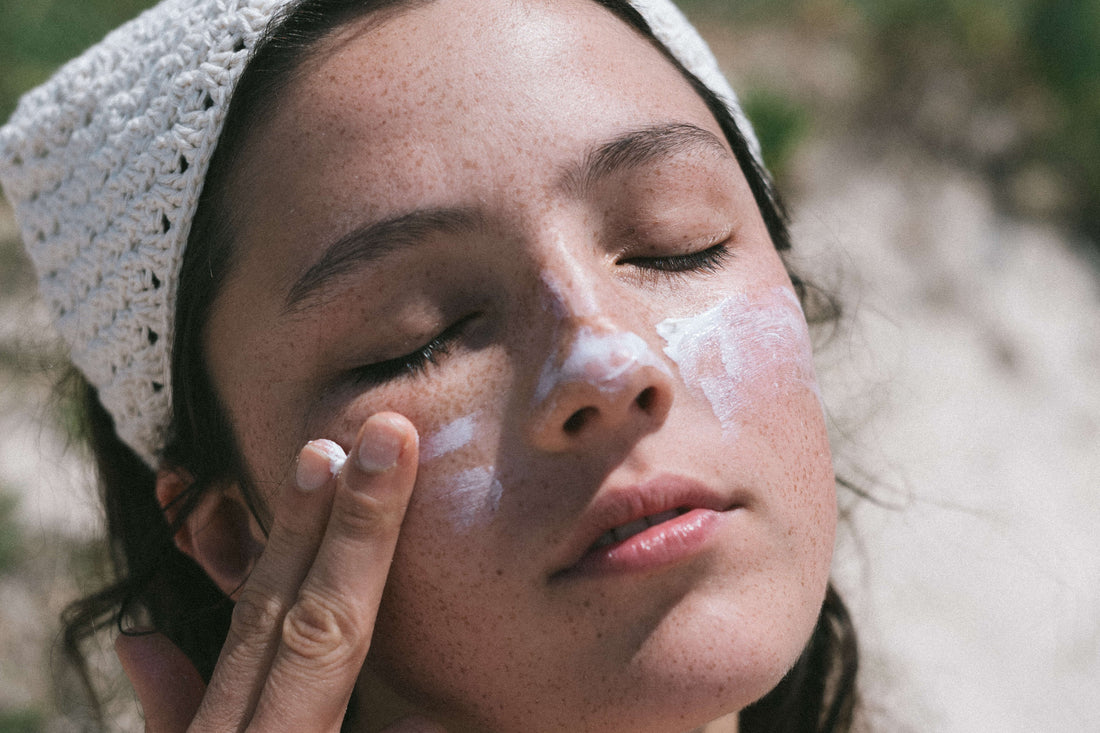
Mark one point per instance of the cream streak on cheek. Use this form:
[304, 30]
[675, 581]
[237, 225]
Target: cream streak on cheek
[472, 497]
[451, 437]
[743, 350]
[469, 497]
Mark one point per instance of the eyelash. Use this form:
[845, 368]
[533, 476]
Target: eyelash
[413, 363]
[706, 260]
[417, 362]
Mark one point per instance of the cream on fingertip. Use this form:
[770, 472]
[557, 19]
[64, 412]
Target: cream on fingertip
[318, 463]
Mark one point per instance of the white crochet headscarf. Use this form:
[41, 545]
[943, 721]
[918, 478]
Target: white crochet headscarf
[104, 165]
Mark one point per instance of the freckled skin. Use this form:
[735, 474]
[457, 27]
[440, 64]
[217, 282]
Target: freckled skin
[483, 104]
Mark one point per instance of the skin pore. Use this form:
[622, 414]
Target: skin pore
[523, 191]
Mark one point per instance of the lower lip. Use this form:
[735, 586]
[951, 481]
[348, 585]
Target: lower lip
[666, 544]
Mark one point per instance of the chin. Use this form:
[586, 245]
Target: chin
[692, 678]
[671, 685]
[705, 660]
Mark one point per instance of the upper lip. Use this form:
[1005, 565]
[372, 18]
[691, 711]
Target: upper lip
[619, 505]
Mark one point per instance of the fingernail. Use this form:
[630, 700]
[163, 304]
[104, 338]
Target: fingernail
[318, 462]
[379, 444]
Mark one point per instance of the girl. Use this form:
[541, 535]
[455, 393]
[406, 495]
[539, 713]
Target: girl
[443, 370]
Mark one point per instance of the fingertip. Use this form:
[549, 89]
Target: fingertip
[401, 424]
[411, 436]
[318, 462]
[384, 439]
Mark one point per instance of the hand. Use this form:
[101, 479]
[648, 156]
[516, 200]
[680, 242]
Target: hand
[303, 621]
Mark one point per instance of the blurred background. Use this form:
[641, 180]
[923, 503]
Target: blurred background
[941, 159]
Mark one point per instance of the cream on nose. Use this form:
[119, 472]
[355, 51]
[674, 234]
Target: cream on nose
[604, 360]
[600, 383]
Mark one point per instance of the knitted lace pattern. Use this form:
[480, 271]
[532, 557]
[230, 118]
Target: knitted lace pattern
[104, 165]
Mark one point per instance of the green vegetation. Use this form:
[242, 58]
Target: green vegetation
[1009, 88]
[781, 125]
[11, 534]
[21, 721]
[1032, 63]
[37, 37]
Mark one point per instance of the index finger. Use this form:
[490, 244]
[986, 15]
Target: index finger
[301, 513]
[327, 632]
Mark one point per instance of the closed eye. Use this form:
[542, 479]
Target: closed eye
[415, 362]
[706, 260]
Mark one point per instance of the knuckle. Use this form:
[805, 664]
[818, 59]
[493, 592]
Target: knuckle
[322, 630]
[256, 612]
[360, 514]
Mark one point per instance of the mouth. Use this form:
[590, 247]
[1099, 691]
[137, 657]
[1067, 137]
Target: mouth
[644, 526]
[630, 529]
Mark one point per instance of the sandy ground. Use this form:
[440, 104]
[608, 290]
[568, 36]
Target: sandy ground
[964, 390]
[967, 389]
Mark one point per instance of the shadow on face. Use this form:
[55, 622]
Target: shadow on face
[518, 225]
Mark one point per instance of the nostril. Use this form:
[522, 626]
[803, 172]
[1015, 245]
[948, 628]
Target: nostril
[577, 420]
[646, 398]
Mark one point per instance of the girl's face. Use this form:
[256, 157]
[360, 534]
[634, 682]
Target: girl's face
[516, 224]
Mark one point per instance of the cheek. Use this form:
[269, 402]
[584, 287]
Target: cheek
[472, 499]
[457, 483]
[445, 589]
[750, 360]
[744, 355]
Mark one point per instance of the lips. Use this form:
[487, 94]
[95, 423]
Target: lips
[625, 532]
[646, 525]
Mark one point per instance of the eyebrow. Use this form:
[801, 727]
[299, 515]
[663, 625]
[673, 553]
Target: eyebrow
[373, 241]
[640, 147]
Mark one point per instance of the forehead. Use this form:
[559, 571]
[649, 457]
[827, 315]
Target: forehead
[452, 93]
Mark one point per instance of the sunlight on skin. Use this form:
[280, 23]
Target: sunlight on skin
[691, 619]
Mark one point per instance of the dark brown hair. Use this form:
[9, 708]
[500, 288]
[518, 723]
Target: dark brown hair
[156, 586]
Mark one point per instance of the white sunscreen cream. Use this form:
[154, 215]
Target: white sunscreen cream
[309, 475]
[554, 300]
[742, 349]
[449, 438]
[470, 497]
[603, 360]
[473, 497]
[335, 454]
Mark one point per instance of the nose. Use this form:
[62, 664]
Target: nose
[601, 384]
